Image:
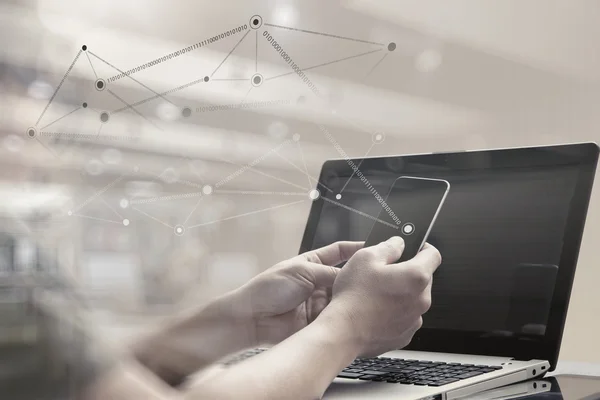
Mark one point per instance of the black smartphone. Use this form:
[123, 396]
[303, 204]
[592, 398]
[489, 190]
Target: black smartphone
[409, 211]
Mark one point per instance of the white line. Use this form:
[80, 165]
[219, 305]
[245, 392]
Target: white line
[304, 162]
[111, 207]
[278, 179]
[98, 193]
[97, 219]
[359, 212]
[166, 198]
[193, 211]
[150, 216]
[251, 192]
[246, 214]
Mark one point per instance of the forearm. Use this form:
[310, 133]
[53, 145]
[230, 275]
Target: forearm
[300, 367]
[196, 340]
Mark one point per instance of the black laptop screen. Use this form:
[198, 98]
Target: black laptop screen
[501, 233]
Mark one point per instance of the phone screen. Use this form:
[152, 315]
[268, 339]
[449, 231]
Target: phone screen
[412, 207]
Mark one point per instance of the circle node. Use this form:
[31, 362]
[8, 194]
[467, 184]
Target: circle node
[296, 137]
[186, 112]
[256, 22]
[100, 84]
[126, 222]
[84, 105]
[378, 137]
[338, 196]
[179, 230]
[124, 203]
[104, 117]
[408, 228]
[31, 132]
[206, 78]
[207, 189]
[391, 46]
[257, 80]
[84, 47]
[314, 194]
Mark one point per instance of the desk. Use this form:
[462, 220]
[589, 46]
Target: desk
[576, 368]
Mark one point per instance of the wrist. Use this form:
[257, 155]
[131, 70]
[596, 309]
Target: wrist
[337, 324]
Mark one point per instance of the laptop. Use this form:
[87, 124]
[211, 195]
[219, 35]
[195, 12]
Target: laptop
[509, 233]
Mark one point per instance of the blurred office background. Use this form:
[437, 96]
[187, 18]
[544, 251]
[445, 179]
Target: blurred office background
[170, 202]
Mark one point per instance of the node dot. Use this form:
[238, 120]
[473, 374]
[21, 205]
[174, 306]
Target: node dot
[31, 132]
[126, 222]
[186, 112]
[179, 230]
[84, 105]
[207, 189]
[124, 203]
[206, 78]
[69, 213]
[256, 22]
[314, 194]
[104, 117]
[338, 196]
[100, 84]
[378, 137]
[296, 137]
[84, 47]
[392, 46]
[257, 79]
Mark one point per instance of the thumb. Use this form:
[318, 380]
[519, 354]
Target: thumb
[323, 275]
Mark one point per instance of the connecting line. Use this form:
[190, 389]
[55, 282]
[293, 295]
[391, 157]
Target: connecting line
[64, 116]
[96, 219]
[250, 165]
[357, 168]
[193, 211]
[166, 198]
[231, 79]
[91, 65]
[111, 208]
[130, 77]
[354, 210]
[58, 87]
[304, 162]
[187, 85]
[251, 192]
[375, 66]
[325, 34]
[232, 50]
[151, 217]
[98, 194]
[300, 169]
[246, 214]
[324, 64]
[48, 148]
[246, 96]
[256, 56]
[134, 110]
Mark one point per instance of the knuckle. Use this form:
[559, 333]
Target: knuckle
[417, 278]
[424, 304]
[367, 254]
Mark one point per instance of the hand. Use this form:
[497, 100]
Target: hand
[290, 295]
[381, 301]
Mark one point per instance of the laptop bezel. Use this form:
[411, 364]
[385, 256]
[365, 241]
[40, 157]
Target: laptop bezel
[585, 155]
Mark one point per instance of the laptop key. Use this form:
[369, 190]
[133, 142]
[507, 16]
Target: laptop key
[373, 372]
[349, 375]
[469, 374]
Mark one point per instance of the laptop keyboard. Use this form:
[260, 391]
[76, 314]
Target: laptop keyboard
[396, 370]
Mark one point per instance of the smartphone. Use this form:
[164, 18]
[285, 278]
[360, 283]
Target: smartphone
[410, 210]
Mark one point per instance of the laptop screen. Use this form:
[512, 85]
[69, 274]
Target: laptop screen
[500, 231]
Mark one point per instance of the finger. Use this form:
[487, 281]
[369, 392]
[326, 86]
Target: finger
[320, 275]
[334, 253]
[428, 259]
[389, 251]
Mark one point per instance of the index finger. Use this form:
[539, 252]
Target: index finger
[429, 259]
[334, 253]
